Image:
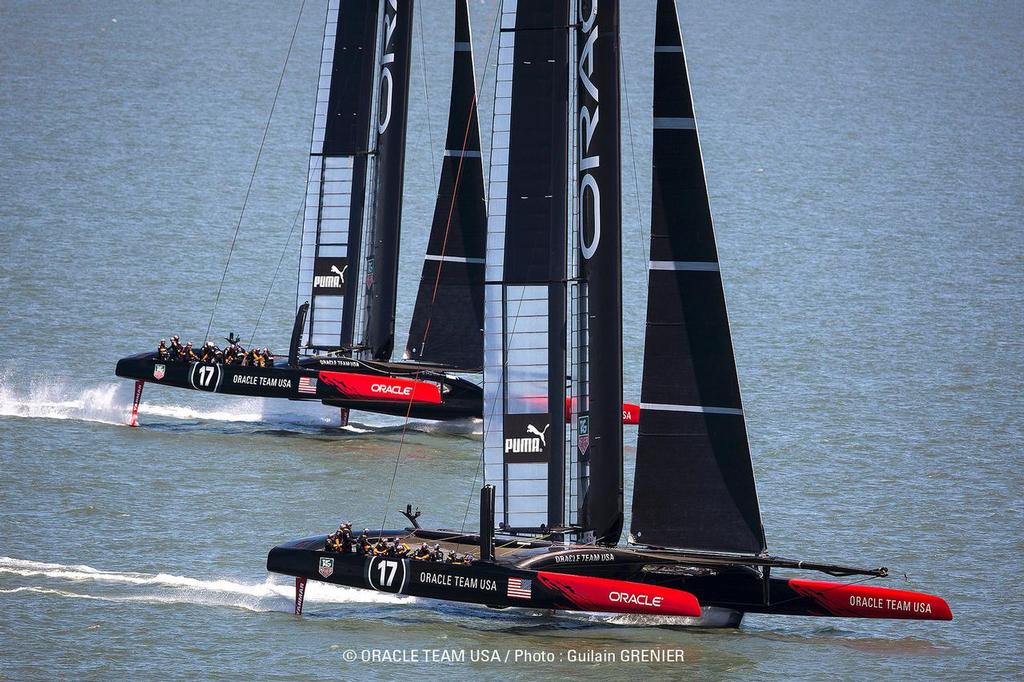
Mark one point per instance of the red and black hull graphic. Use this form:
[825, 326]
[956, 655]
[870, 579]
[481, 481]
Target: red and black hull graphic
[868, 601]
[388, 388]
[487, 583]
[610, 580]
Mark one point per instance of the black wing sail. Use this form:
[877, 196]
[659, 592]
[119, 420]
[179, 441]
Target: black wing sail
[694, 484]
[381, 277]
[525, 290]
[597, 385]
[447, 322]
[333, 222]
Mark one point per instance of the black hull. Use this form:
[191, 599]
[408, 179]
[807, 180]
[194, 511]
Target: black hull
[599, 579]
[404, 389]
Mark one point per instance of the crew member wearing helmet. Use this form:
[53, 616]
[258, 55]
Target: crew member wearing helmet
[176, 349]
[363, 544]
[345, 532]
[423, 553]
[161, 350]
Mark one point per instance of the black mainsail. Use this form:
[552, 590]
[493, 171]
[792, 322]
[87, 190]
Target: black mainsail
[694, 484]
[381, 276]
[597, 385]
[333, 222]
[525, 290]
[452, 282]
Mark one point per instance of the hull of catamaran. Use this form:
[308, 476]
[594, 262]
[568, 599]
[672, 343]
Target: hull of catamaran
[543, 575]
[389, 388]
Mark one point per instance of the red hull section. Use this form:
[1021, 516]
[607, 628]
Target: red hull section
[866, 601]
[588, 593]
[389, 389]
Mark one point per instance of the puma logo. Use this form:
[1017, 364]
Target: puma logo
[333, 281]
[528, 444]
[530, 428]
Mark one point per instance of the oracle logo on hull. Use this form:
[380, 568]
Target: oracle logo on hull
[401, 391]
[635, 599]
[357, 386]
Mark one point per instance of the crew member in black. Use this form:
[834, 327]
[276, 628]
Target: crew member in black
[346, 537]
[161, 350]
[176, 349]
[381, 548]
[438, 553]
[333, 543]
[423, 553]
[398, 549]
[268, 357]
[363, 544]
[187, 354]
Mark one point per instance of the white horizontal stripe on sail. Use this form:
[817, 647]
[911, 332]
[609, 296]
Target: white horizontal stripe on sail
[665, 407]
[464, 154]
[676, 123]
[668, 48]
[463, 47]
[455, 259]
[703, 266]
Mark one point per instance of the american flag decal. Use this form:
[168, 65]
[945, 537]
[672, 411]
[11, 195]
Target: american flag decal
[519, 588]
[307, 385]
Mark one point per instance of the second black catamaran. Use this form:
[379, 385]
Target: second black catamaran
[551, 512]
[344, 330]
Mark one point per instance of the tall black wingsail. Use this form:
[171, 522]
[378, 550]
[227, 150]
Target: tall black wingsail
[525, 290]
[381, 277]
[447, 322]
[597, 385]
[694, 484]
[333, 224]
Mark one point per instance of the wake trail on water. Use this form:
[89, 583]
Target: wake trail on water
[276, 593]
[111, 402]
[165, 588]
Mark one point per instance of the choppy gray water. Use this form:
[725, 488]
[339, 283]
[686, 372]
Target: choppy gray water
[865, 168]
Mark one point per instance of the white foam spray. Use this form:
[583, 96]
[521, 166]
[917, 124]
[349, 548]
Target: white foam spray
[111, 402]
[276, 593]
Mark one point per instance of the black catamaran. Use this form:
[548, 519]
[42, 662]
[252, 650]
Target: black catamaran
[344, 329]
[552, 310]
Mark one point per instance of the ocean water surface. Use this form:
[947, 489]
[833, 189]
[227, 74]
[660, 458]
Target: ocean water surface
[865, 168]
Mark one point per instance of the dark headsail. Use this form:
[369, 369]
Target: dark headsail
[447, 322]
[381, 276]
[333, 223]
[525, 291]
[598, 380]
[694, 484]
